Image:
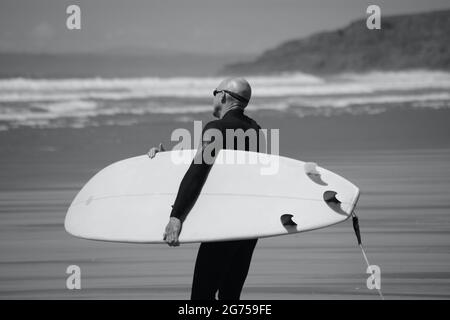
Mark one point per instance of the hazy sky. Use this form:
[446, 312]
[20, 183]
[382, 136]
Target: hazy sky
[203, 26]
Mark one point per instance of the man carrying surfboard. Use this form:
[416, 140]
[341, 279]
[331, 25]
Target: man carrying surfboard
[220, 266]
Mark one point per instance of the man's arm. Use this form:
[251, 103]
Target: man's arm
[190, 187]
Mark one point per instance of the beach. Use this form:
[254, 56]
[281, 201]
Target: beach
[399, 158]
[360, 89]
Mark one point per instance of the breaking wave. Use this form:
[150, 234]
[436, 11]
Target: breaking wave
[62, 102]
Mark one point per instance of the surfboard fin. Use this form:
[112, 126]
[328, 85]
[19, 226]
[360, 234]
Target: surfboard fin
[333, 202]
[286, 220]
[312, 172]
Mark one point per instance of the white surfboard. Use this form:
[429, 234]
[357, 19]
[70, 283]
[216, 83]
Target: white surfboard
[130, 200]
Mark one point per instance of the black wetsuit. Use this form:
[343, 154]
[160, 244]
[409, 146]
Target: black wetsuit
[221, 266]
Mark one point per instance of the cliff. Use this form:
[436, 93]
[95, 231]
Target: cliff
[418, 41]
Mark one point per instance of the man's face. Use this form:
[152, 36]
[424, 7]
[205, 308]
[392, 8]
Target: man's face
[217, 104]
[218, 101]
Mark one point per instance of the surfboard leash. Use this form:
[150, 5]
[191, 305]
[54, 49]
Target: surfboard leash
[355, 221]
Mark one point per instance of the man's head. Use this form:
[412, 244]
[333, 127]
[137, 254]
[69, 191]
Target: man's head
[231, 93]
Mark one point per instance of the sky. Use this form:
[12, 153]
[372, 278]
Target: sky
[195, 26]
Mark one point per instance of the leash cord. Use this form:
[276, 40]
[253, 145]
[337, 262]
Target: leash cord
[358, 236]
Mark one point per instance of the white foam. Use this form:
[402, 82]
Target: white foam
[76, 102]
[343, 102]
[64, 107]
[34, 90]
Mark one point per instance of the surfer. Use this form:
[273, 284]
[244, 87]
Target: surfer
[220, 266]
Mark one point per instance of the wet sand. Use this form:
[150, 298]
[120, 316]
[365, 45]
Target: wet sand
[401, 162]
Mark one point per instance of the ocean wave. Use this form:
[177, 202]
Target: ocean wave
[35, 90]
[79, 102]
[343, 102]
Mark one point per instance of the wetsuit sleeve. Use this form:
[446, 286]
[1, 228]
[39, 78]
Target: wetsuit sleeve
[193, 180]
[261, 138]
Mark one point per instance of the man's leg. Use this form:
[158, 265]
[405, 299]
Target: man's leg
[212, 259]
[232, 282]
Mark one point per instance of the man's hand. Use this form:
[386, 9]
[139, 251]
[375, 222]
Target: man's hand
[153, 151]
[173, 229]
